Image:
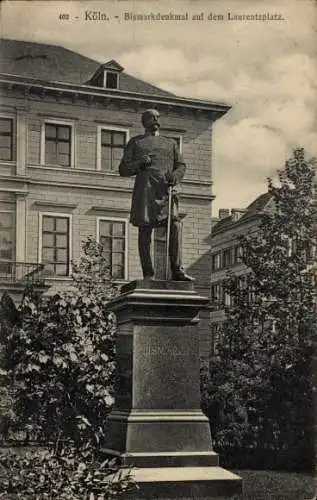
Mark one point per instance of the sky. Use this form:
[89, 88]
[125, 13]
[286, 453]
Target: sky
[266, 70]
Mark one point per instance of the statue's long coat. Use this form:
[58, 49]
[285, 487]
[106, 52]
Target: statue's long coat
[150, 194]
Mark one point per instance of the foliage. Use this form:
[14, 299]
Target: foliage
[60, 366]
[259, 387]
[61, 357]
[69, 474]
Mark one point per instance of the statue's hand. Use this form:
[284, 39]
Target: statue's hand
[145, 162]
[170, 178]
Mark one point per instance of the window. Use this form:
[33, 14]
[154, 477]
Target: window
[57, 144]
[6, 139]
[215, 261]
[7, 241]
[251, 294]
[178, 138]
[237, 254]
[55, 251]
[227, 299]
[226, 256]
[111, 80]
[110, 148]
[107, 75]
[216, 295]
[112, 236]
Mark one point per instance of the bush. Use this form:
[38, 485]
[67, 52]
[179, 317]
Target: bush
[62, 365]
[60, 371]
[61, 357]
[69, 474]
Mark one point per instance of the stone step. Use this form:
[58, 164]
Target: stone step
[169, 483]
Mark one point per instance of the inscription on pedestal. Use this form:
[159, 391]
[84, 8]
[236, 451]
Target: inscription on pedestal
[166, 350]
[166, 367]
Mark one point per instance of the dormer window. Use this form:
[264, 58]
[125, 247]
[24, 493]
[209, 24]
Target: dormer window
[107, 75]
[111, 80]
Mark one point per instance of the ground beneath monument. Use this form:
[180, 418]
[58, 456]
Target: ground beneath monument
[272, 485]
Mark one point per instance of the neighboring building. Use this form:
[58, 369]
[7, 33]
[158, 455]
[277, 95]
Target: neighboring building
[227, 229]
[64, 121]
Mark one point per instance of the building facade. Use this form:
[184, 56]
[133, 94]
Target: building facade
[64, 121]
[227, 230]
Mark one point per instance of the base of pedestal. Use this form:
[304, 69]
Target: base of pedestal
[162, 433]
[165, 459]
[185, 483]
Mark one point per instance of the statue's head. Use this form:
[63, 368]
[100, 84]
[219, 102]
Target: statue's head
[151, 120]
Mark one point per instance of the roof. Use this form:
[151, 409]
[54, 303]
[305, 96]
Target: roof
[58, 64]
[113, 65]
[258, 206]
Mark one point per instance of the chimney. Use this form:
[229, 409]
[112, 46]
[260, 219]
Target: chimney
[224, 212]
[236, 213]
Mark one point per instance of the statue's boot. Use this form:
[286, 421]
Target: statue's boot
[180, 275]
[148, 278]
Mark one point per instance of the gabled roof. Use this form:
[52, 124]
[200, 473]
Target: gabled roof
[112, 65]
[54, 63]
[260, 205]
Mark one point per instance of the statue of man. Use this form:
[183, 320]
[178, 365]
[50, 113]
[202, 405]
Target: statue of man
[157, 164]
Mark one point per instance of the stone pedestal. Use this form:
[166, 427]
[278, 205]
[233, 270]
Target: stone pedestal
[157, 425]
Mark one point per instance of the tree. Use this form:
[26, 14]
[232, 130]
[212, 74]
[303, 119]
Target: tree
[264, 365]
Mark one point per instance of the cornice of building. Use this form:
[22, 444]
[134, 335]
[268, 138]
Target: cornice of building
[32, 85]
[20, 185]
